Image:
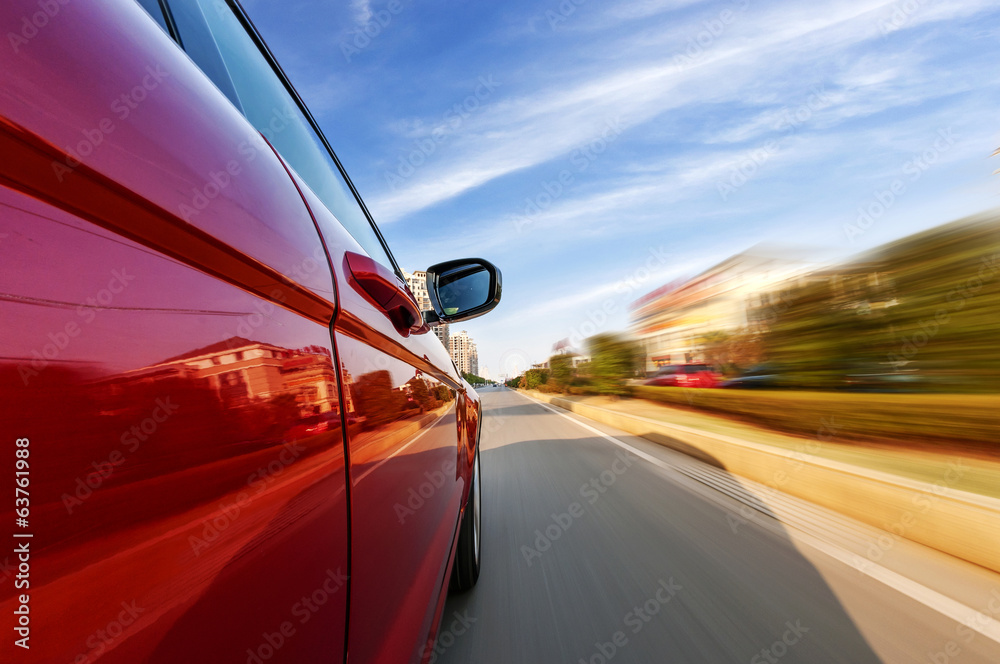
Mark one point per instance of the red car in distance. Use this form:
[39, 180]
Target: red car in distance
[209, 362]
[685, 375]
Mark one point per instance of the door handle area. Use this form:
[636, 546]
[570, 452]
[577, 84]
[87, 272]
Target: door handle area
[380, 286]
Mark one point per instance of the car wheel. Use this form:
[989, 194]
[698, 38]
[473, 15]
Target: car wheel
[465, 572]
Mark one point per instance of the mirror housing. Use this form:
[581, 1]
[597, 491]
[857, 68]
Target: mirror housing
[462, 289]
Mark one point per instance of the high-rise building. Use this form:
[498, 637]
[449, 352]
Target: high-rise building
[463, 351]
[418, 286]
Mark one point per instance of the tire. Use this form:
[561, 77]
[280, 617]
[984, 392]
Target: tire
[465, 571]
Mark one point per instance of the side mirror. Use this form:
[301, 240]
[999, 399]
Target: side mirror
[462, 289]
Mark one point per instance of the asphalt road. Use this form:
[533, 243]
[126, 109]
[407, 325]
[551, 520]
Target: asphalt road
[593, 553]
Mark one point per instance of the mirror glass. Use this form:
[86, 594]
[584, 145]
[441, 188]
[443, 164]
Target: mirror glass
[463, 288]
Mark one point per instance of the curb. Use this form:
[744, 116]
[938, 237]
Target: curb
[962, 524]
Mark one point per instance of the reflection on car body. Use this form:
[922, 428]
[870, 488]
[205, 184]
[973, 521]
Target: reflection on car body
[221, 414]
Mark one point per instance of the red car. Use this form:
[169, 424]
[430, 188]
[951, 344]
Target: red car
[685, 375]
[207, 361]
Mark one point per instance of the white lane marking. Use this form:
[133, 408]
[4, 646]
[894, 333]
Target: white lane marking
[946, 606]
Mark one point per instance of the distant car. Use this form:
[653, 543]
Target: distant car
[685, 375]
[762, 376]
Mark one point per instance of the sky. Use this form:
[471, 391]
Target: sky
[595, 151]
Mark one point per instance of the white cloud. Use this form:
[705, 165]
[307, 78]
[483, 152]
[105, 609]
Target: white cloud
[521, 132]
[362, 11]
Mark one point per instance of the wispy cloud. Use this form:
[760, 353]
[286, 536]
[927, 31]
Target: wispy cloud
[523, 131]
[362, 11]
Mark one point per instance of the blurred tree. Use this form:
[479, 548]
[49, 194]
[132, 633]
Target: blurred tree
[473, 379]
[421, 395]
[613, 359]
[715, 348]
[375, 398]
[918, 313]
[562, 370]
[745, 348]
[533, 378]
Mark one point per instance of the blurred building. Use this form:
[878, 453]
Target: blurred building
[564, 347]
[740, 293]
[463, 352]
[418, 286]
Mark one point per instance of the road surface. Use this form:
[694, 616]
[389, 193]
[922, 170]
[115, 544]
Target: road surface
[599, 549]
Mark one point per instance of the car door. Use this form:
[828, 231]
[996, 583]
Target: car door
[409, 462]
[166, 362]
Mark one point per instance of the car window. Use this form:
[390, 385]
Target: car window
[271, 109]
[153, 8]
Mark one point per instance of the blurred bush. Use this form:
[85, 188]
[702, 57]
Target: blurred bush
[613, 360]
[920, 314]
[943, 417]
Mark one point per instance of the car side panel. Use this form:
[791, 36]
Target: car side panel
[160, 362]
[409, 461]
[102, 84]
[174, 517]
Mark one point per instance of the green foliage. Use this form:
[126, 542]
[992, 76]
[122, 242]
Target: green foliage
[533, 378]
[421, 395]
[613, 360]
[443, 393]
[825, 415]
[473, 379]
[562, 371]
[924, 307]
[375, 398]
[731, 352]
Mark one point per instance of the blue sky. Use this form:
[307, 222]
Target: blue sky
[596, 150]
